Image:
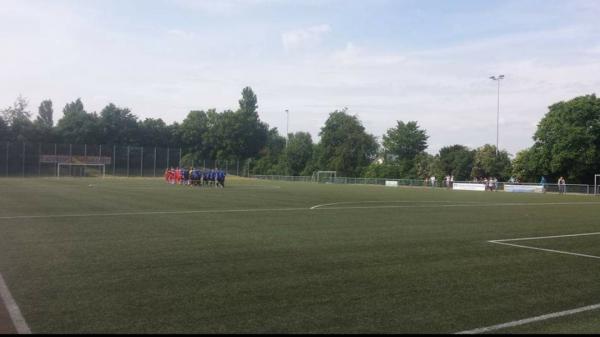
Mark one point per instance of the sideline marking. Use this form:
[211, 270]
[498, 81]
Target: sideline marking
[531, 320]
[466, 204]
[505, 242]
[285, 209]
[150, 213]
[389, 202]
[13, 309]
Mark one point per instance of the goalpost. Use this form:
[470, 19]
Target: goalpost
[324, 176]
[80, 170]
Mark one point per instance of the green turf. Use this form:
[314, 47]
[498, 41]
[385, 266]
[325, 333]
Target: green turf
[254, 257]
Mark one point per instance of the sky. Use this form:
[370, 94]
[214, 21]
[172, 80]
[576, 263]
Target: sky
[384, 60]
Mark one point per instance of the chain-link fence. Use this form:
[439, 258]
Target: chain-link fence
[22, 159]
[550, 188]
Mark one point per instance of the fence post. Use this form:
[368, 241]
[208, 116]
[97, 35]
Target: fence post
[39, 159]
[142, 163]
[7, 145]
[23, 161]
[114, 159]
[56, 157]
[70, 159]
[128, 160]
[155, 161]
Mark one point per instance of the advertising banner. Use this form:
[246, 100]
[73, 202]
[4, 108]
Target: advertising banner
[468, 186]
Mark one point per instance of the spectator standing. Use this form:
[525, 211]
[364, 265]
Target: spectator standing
[562, 185]
[543, 184]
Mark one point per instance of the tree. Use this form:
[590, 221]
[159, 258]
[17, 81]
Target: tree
[298, 152]
[44, 122]
[248, 132]
[45, 114]
[403, 148]
[249, 102]
[154, 132]
[18, 112]
[18, 119]
[405, 141]
[4, 130]
[525, 166]
[567, 140]
[346, 147]
[489, 164]
[194, 131]
[456, 160]
[270, 158]
[77, 126]
[118, 126]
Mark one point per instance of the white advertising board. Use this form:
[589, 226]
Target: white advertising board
[524, 188]
[391, 183]
[468, 187]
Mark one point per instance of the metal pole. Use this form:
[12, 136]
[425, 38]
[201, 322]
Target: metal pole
[100, 155]
[114, 159]
[237, 170]
[70, 159]
[155, 161]
[287, 126]
[498, 119]
[23, 160]
[142, 163]
[56, 158]
[39, 159]
[7, 145]
[168, 157]
[128, 160]
[179, 156]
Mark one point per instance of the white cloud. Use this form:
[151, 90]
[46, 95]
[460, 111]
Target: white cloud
[304, 38]
[181, 34]
[352, 55]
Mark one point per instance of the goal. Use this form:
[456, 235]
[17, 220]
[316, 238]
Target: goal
[80, 170]
[324, 176]
[596, 186]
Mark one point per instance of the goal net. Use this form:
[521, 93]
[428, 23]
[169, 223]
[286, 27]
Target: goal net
[324, 176]
[80, 170]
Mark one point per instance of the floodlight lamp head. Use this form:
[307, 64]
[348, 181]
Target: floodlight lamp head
[501, 76]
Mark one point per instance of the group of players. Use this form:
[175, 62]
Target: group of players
[195, 177]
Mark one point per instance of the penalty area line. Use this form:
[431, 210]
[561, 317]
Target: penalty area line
[13, 309]
[531, 320]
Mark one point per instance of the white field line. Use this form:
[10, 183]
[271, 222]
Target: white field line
[150, 213]
[13, 309]
[546, 250]
[282, 209]
[547, 237]
[384, 202]
[505, 242]
[478, 204]
[531, 320]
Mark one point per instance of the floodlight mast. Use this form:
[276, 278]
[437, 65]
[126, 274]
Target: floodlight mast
[497, 79]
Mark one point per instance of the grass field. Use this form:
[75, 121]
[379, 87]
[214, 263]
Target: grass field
[140, 256]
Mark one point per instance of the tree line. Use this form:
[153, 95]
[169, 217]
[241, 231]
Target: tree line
[566, 143]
